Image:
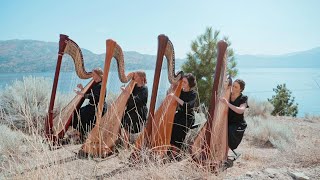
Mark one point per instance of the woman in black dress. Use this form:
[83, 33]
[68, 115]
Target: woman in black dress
[184, 117]
[136, 111]
[87, 114]
[237, 105]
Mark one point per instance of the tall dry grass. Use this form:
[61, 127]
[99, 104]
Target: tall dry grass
[21, 153]
[26, 155]
[264, 130]
[24, 104]
[259, 108]
[268, 132]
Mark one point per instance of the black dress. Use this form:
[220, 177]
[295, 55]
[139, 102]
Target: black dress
[184, 118]
[88, 112]
[136, 110]
[236, 123]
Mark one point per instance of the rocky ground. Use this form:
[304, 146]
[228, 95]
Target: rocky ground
[299, 161]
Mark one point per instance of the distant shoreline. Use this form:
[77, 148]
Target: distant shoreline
[259, 83]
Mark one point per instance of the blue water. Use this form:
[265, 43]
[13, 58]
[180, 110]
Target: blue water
[304, 84]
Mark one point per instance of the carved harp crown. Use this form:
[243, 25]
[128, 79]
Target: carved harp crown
[55, 127]
[118, 55]
[169, 54]
[68, 46]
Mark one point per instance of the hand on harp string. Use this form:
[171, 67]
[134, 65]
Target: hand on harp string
[224, 100]
[80, 86]
[123, 88]
[78, 92]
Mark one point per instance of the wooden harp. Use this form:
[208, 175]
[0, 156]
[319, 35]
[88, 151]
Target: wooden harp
[157, 133]
[210, 147]
[57, 125]
[101, 139]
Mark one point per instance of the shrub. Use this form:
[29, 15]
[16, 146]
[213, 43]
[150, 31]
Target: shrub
[268, 132]
[259, 108]
[283, 102]
[24, 104]
[202, 59]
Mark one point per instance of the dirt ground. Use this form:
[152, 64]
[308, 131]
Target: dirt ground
[266, 162]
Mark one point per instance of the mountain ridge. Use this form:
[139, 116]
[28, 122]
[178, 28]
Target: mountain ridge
[40, 56]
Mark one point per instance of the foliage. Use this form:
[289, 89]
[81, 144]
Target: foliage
[259, 108]
[24, 104]
[270, 132]
[202, 59]
[283, 102]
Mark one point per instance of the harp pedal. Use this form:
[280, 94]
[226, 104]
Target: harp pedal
[235, 156]
[229, 162]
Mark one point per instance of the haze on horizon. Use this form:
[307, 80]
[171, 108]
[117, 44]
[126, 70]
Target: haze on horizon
[267, 27]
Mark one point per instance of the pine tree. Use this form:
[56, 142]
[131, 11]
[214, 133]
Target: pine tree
[202, 59]
[282, 102]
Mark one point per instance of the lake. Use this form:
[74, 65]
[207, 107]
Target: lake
[304, 83]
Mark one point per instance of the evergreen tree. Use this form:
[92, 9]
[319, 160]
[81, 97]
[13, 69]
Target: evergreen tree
[202, 59]
[283, 103]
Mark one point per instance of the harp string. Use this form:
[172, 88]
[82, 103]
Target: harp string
[66, 102]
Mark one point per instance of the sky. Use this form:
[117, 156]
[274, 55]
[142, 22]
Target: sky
[256, 27]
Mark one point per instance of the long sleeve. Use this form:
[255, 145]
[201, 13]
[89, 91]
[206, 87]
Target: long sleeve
[94, 94]
[190, 102]
[139, 97]
[189, 99]
[136, 110]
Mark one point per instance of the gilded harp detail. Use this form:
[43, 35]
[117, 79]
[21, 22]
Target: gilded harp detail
[56, 125]
[210, 147]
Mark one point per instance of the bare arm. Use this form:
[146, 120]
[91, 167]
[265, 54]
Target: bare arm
[238, 110]
[187, 103]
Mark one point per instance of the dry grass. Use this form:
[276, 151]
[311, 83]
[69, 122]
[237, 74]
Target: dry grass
[312, 118]
[264, 130]
[22, 164]
[259, 108]
[268, 132]
[27, 156]
[24, 104]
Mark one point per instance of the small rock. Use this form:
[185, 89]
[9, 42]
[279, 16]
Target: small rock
[249, 174]
[271, 172]
[298, 175]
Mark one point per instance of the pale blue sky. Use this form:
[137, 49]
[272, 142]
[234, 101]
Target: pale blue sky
[253, 26]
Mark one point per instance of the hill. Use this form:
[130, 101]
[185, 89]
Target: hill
[39, 56]
[303, 59]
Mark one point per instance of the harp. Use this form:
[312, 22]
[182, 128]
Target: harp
[101, 139]
[157, 133]
[56, 125]
[210, 147]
